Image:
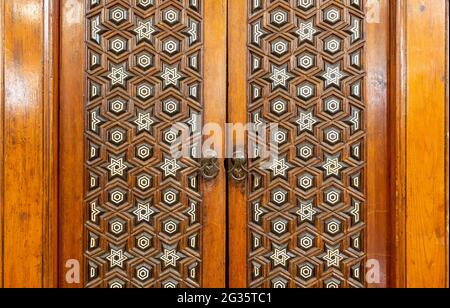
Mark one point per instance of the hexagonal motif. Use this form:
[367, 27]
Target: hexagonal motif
[279, 106]
[144, 151]
[118, 45]
[171, 16]
[333, 226]
[305, 4]
[170, 135]
[117, 105]
[117, 226]
[332, 135]
[143, 242]
[332, 15]
[306, 90]
[332, 105]
[279, 226]
[306, 271]
[279, 17]
[306, 181]
[280, 47]
[143, 272]
[144, 181]
[332, 196]
[280, 136]
[144, 60]
[118, 197]
[170, 226]
[145, 4]
[118, 14]
[279, 196]
[306, 61]
[144, 90]
[306, 241]
[171, 106]
[117, 136]
[170, 196]
[332, 44]
[305, 151]
[171, 45]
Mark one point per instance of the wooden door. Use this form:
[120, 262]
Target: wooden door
[132, 215]
[315, 212]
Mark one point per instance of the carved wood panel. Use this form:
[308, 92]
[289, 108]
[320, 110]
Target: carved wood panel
[143, 207]
[307, 209]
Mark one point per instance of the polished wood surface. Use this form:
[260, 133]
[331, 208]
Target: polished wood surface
[426, 204]
[215, 105]
[414, 224]
[28, 145]
[378, 193]
[71, 137]
[237, 113]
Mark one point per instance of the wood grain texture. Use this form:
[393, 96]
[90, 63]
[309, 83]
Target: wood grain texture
[397, 120]
[2, 132]
[24, 197]
[378, 193]
[71, 137]
[237, 113]
[51, 142]
[215, 102]
[425, 148]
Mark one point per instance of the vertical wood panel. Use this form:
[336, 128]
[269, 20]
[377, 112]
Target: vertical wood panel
[425, 191]
[23, 144]
[215, 85]
[237, 113]
[378, 220]
[29, 173]
[2, 100]
[71, 137]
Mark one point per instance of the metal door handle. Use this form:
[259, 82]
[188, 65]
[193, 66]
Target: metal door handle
[238, 168]
[209, 166]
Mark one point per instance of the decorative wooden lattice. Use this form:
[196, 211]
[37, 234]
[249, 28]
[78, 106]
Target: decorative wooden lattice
[143, 206]
[307, 206]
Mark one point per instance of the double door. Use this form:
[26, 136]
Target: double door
[201, 139]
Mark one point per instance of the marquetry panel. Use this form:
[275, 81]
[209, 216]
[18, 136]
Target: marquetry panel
[143, 61]
[306, 208]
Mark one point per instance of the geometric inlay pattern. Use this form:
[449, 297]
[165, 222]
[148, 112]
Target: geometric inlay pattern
[307, 206]
[143, 207]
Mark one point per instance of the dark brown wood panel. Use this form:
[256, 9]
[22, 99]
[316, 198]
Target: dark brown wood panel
[146, 221]
[310, 70]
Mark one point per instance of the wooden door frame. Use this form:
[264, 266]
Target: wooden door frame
[47, 271]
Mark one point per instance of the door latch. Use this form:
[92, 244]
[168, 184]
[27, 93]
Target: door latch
[237, 169]
[209, 166]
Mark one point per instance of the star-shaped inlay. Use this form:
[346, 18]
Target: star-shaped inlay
[279, 167]
[279, 76]
[117, 256]
[333, 75]
[145, 30]
[306, 120]
[170, 256]
[118, 75]
[306, 30]
[144, 121]
[144, 211]
[117, 166]
[280, 255]
[306, 211]
[171, 76]
[332, 256]
[170, 167]
[332, 166]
